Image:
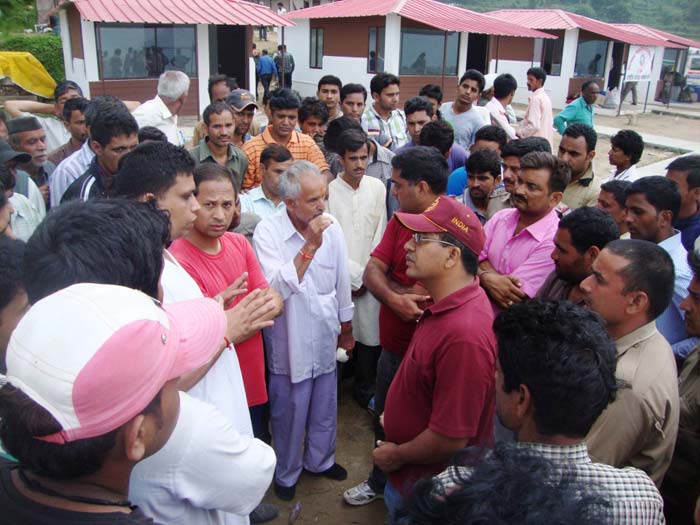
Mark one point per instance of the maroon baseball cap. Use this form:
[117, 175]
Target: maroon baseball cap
[446, 215]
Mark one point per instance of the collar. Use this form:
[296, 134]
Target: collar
[378, 116]
[287, 228]
[541, 228]
[205, 152]
[674, 241]
[257, 194]
[586, 178]
[559, 453]
[467, 198]
[455, 299]
[582, 102]
[635, 337]
[164, 111]
[497, 103]
[267, 137]
[538, 91]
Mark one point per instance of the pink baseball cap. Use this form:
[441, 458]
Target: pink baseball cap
[446, 215]
[95, 355]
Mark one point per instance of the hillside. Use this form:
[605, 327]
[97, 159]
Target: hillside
[681, 17]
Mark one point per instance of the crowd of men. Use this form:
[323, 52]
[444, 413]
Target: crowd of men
[170, 330]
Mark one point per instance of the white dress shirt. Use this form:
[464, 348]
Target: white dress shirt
[361, 214]
[500, 117]
[206, 474]
[155, 113]
[302, 343]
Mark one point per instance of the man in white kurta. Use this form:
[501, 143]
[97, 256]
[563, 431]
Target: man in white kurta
[303, 255]
[358, 203]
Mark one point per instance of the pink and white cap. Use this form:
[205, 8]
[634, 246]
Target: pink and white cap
[95, 355]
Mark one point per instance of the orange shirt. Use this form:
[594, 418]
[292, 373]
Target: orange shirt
[302, 147]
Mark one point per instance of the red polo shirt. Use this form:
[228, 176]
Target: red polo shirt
[394, 334]
[446, 380]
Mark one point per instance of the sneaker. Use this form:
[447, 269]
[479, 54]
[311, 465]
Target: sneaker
[285, 493]
[361, 494]
[263, 513]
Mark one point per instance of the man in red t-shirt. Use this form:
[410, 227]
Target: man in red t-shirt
[442, 398]
[419, 176]
[216, 258]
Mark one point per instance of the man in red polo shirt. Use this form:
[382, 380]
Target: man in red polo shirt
[442, 398]
[419, 176]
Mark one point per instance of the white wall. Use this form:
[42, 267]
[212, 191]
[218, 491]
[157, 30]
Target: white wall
[518, 69]
[305, 79]
[92, 70]
[392, 44]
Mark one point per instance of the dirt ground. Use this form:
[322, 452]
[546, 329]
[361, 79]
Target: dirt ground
[322, 499]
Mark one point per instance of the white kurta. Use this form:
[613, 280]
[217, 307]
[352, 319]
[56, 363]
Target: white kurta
[361, 213]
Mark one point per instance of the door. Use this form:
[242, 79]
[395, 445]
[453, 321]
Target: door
[477, 52]
[231, 58]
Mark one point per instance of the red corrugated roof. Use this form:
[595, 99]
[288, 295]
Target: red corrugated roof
[560, 19]
[657, 33]
[223, 12]
[430, 12]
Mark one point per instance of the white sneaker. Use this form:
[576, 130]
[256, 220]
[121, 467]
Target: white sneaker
[361, 494]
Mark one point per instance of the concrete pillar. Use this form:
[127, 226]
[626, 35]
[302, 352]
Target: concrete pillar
[392, 44]
[202, 38]
[462, 60]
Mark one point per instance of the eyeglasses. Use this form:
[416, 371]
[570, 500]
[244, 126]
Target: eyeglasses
[420, 237]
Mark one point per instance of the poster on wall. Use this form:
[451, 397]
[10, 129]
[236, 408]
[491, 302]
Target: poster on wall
[639, 64]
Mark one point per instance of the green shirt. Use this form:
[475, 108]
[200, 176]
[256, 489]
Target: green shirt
[577, 111]
[237, 161]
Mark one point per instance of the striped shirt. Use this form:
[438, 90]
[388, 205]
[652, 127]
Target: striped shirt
[390, 133]
[302, 147]
[634, 497]
[68, 171]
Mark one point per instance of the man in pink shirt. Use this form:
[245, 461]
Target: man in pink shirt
[538, 121]
[516, 258]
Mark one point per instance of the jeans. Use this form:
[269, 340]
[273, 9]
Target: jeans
[387, 367]
[394, 504]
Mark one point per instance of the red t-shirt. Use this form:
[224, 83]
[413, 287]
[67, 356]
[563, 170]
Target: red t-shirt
[213, 274]
[394, 334]
[446, 380]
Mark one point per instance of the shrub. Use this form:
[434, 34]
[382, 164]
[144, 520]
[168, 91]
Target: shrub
[46, 48]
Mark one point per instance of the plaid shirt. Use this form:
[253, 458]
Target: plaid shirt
[634, 497]
[391, 133]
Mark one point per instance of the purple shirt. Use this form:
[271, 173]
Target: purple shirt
[526, 255]
[457, 158]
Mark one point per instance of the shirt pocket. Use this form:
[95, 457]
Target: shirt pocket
[323, 275]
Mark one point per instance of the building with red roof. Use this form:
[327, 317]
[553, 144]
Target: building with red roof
[120, 47]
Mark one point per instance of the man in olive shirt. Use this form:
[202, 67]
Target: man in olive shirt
[681, 485]
[217, 146]
[631, 285]
[577, 149]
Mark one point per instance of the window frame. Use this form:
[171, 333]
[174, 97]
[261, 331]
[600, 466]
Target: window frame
[119, 25]
[445, 35]
[316, 58]
[603, 56]
[377, 30]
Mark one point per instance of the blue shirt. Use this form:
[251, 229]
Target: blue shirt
[577, 111]
[671, 322]
[690, 230]
[266, 66]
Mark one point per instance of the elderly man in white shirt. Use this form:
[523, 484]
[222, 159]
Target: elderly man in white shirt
[303, 255]
[161, 111]
[358, 203]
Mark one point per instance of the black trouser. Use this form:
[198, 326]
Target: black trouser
[387, 367]
[365, 358]
[265, 79]
[287, 80]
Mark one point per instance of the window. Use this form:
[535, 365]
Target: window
[422, 52]
[590, 58]
[671, 58]
[375, 58]
[316, 54]
[145, 50]
[552, 52]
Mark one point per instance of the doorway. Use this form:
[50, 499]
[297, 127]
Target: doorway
[228, 59]
[477, 52]
[616, 68]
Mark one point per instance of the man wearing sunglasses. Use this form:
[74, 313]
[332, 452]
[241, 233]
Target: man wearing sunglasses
[442, 398]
